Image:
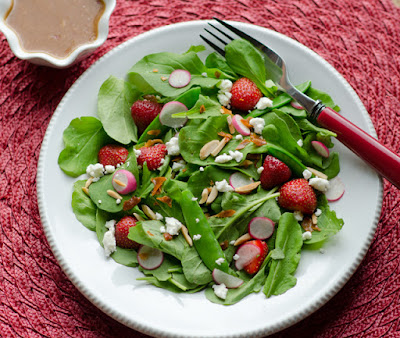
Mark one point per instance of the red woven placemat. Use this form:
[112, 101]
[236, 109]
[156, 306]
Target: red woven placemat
[359, 38]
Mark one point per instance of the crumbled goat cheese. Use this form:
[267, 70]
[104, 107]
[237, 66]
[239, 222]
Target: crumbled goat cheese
[223, 186]
[196, 237]
[119, 164]
[235, 257]
[225, 85]
[224, 98]
[318, 212]
[194, 198]
[232, 242]
[138, 152]
[99, 201]
[162, 161]
[109, 169]
[95, 179]
[109, 242]
[220, 290]
[300, 142]
[173, 225]
[176, 166]
[307, 174]
[263, 103]
[258, 124]
[173, 146]
[298, 215]
[204, 74]
[197, 220]
[220, 260]
[201, 168]
[320, 184]
[95, 170]
[307, 235]
[162, 229]
[236, 155]
[260, 170]
[118, 201]
[239, 137]
[159, 216]
[223, 158]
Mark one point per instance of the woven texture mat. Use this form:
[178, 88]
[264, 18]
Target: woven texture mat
[359, 38]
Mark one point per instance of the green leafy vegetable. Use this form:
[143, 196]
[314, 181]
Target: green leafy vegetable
[82, 206]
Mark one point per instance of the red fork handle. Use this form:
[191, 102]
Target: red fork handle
[383, 160]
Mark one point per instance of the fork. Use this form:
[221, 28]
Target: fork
[383, 160]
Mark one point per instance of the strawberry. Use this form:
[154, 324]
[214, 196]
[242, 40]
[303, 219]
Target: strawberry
[122, 231]
[255, 264]
[298, 195]
[245, 94]
[143, 113]
[153, 156]
[275, 172]
[112, 154]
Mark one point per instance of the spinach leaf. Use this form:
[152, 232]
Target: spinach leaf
[323, 97]
[283, 98]
[215, 60]
[83, 207]
[154, 125]
[202, 179]
[194, 268]
[289, 242]
[190, 97]
[114, 102]
[83, 139]
[209, 106]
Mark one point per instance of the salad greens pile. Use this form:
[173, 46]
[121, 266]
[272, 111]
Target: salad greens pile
[188, 268]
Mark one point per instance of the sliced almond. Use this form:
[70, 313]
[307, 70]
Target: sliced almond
[213, 195]
[185, 234]
[149, 213]
[85, 190]
[220, 146]
[208, 148]
[120, 183]
[138, 217]
[114, 194]
[204, 196]
[318, 173]
[242, 239]
[247, 188]
[314, 219]
[88, 182]
[230, 125]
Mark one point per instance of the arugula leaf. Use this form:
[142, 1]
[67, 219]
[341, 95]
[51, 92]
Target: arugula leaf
[114, 102]
[83, 139]
[83, 207]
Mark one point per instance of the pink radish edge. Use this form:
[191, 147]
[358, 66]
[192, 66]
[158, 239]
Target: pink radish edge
[239, 126]
[127, 178]
[149, 258]
[238, 179]
[231, 282]
[336, 189]
[179, 78]
[320, 148]
[261, 228]
[296, 105]
[246, 252]
[170, 108]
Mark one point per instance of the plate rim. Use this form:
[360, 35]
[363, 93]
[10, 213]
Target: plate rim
[132, 323]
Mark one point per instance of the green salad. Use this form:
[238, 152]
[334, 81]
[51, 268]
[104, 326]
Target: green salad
[204, 175]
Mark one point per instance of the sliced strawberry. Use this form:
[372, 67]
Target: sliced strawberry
[153, 156]
[112, 154]
[245, 94]
[275, 172]
[122, 231]
[298, 195]
[255, 264]
[143, 113]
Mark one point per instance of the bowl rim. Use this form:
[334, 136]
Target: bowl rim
[19, 52]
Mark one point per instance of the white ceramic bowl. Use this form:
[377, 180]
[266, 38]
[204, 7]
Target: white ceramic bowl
[45, 59]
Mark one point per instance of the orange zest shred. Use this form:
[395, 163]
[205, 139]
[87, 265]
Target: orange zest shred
[226, 111]
[202, 109]
[257, 140]
[132, 202]
[225, 213]
[243, 144]
[165, 199]
[154, 132]
[223, 134]
[246, 122]
[150, 143]
[148, 231]
[158, 182]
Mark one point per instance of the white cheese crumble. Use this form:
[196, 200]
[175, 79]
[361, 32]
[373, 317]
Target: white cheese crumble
[307, 174]
[300, 142]
[232, 242]
[263, 103]
[204, 74]
[258, 124]
[236, 155]
[196, 237]
[109, 242]
[318, 212]
[159, 216]
[235, 257]
[239, 137]
[138, 152]
[307, 235]
[220, 290]
[223, 158]
[95, 170]
[162, 229]
[109, 169]
[201, 168]
[194, 198]
[95, 179]
[197, 220]
[118, 201]
[173, 225]
[173, 146]
[220, 260]
[260, 170]
[320, 184]
[176, 166]
[224, 98]
[298, 215]
[223, 186]
[225, 85]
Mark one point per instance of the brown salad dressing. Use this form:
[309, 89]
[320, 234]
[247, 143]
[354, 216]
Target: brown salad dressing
[55, 27]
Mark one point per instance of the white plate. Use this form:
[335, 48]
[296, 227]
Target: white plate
[113, 288]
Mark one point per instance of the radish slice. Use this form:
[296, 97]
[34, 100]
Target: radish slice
[238, 179]
[124, 182]
[179, 78]
[239, 126]
[231, 282]
[320, 148]
[168, 110]
[335, 190]
[149, 258]
[261, 228]
[296, 105]
[247, 252]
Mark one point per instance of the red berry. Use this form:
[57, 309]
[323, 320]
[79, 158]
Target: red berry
[245, 94]
[298, 195]
[144, 112]
[255, 264]
[275, 172]
[112, 154]
[122, 231]
[153, 156]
